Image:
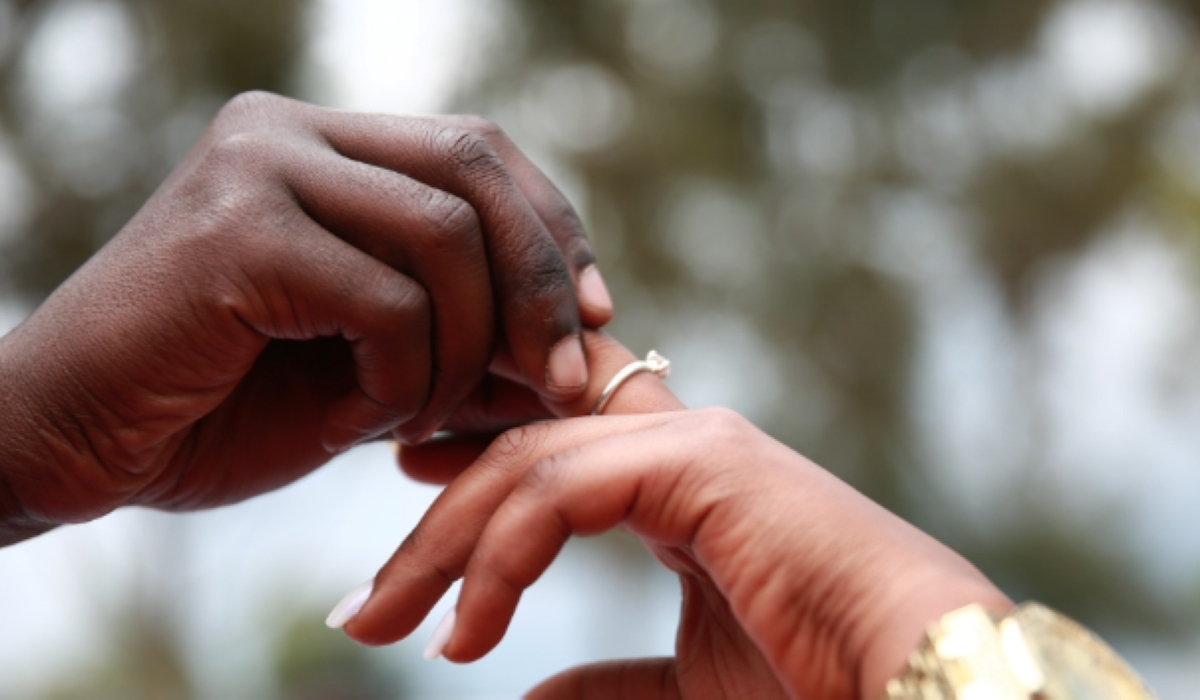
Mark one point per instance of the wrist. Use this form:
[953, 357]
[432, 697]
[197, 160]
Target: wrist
[50, 474]
[906, 610]
[17, 523]
[850, 587]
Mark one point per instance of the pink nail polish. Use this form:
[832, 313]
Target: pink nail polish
[349, 606]
[592, 290]
[441, 635]
[568, 368]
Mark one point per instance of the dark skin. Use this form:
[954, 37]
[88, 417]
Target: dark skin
[304, 281]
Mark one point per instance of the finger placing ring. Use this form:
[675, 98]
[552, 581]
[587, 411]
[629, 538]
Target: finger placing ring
[654, 363]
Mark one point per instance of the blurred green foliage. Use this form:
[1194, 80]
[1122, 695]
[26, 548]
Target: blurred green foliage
[816, 117]
[190, 57]
[739, 158]
[312, 664]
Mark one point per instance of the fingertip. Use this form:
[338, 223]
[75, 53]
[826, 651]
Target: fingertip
[358, 418]
[567, 370]
[441, 460]
[414, 435]
[349, 606]
[595, 302]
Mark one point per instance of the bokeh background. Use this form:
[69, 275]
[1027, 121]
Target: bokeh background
[946, 248]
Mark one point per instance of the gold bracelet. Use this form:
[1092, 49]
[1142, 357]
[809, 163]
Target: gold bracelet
[1031, 653]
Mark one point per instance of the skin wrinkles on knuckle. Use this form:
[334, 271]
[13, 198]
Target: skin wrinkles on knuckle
[514, 447]
[679, 507]
[707, 472]
[578, 248]
[487, 129]
[541, 276]
[259, 108]
[545, 479]
[227, 217]
[246, 151]
[541, 493]
[270, 301]
[251, 101]
[561, 218]
[444, 574]
[416, 550]
[723, 424]
[490, 564]
[454, 220]
[402, 313]
[401, 304]
[472, 156]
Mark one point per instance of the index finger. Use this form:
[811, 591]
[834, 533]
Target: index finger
[556, 213]
[436, 553]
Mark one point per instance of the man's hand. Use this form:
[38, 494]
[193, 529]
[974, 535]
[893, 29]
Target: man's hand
[305, 280]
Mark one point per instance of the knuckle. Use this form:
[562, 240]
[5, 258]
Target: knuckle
[723, 425]
[565, 220]
[244, 152]
[470, 152]
[514, 446]
[240, 218]
[404, 298]
[232, 220]
[246, 104]
[563, 216]
[420, 547]
[545, 272]
[482, 126]
[547, 473]
[452, 217]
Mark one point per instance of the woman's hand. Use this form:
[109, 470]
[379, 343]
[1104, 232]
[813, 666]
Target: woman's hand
[794, 584]
[305, 280]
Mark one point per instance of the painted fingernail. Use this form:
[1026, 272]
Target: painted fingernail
[441, 635]
[350, 605]
[592, 290]
[568, 369]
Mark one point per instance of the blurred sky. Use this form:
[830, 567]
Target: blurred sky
[1107, 323]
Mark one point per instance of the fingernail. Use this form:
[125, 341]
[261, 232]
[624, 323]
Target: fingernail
[441, 635]
[338, 440]
[418, 438]
[350, 605]
[568, 369]
[592, 291]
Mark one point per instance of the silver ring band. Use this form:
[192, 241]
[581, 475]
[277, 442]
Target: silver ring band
[654, 363]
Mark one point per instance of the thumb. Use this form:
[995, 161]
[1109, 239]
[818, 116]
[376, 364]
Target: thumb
[627, 679]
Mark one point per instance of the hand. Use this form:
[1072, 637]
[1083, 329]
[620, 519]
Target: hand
[793, 583]
[305, 280]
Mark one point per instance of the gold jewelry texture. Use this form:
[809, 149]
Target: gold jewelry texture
[1032, 653]
[654, 363]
